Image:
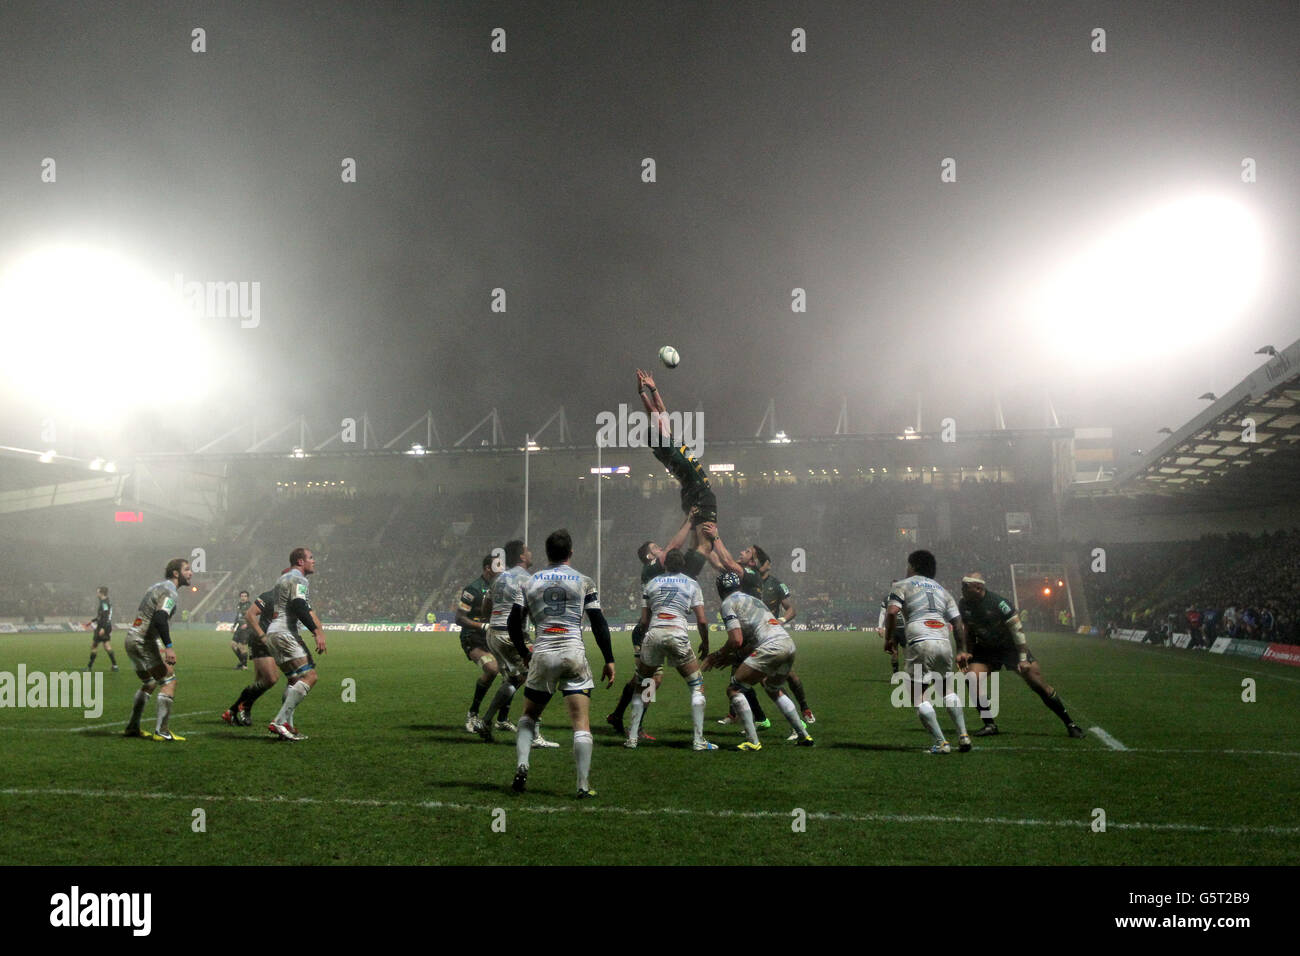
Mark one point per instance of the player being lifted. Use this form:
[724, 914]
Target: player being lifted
[769, 661]
[651, 557]
[555, 598]
[102, 623]
[698, 500]
[666, 601]
[156, 665]
[239, 642]
[507, 589]
[291, 608]
[929, 615]
[998, 641]
[472, 616]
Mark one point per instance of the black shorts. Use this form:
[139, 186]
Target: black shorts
[472, 641]
[103, 638]
[257, 648]
[242, 636]
[996, 658]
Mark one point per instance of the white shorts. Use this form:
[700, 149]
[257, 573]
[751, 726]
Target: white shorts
[666, 645]
[774, 660]
[285, 647]
[561, 669]
[502, 648]
[145, 654]
[931, 655]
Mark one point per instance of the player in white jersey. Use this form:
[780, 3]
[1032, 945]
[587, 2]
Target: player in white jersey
[555, 598]
[156, 667]
[291, 609]
[929, 616]
[506, 589]
[665, 603]
[749, 623]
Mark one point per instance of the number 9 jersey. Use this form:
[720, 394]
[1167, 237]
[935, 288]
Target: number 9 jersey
[556, 598]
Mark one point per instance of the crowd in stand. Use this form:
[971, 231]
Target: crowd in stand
[1234, 586]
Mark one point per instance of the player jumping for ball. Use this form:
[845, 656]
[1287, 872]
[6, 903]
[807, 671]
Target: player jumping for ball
[698, 499]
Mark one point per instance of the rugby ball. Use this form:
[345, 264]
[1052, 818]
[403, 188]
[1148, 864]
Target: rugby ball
[668, 355]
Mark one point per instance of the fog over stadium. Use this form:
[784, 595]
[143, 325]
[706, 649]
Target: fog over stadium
[329, 329]
[1098, 249]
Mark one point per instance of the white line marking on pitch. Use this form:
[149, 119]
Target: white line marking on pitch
[113, 723]
[1107, 739]
[645, 812]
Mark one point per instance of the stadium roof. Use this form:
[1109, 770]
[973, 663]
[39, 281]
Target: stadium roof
[1242, 451]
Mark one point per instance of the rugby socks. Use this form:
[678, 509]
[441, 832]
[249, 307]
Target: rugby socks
[981, 682]
[953, 705]
[1054, 704]
[524, 740]
[582, 756]
[696, 684]
[91, 662]
[928, 719]
[628, 690]
[137, 708]
[112, 658]
[292, 698]
[164, 713]
[480, 691]
[791, 714]
[638, 711]
[500, 705]
[741, 706]
[755, 707]
[796, 685]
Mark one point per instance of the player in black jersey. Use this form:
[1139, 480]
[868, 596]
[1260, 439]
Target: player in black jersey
[776, 596]
[102, 623]
[998, 641]
[472, 614]
[651, 557]
[257, 618]
[242, 632]
[699, 502]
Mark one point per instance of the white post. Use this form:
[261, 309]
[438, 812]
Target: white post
[600, 480]
[527, 445]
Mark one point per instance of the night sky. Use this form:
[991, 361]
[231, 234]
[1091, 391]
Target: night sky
[523, 170]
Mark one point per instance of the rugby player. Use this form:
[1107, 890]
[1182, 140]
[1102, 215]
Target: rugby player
[769, 662]
[257, 617]
[900, 637]
[699, 502]
[506, 588]
[929, 615]
[291, 608]
[472, 616]
[777, 598]
[555, 598]
[239, 643]
[651, 557]
[102, 622]
[156, 667]
[665, 602]
[999, 641]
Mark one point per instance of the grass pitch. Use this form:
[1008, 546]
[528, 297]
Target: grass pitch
[393, 778]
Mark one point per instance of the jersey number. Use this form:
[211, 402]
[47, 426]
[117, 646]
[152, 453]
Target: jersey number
[555, 600]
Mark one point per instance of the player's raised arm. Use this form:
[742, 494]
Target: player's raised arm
[679, 539]
[719, 556]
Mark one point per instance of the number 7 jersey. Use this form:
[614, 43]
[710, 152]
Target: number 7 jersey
[556, 598]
